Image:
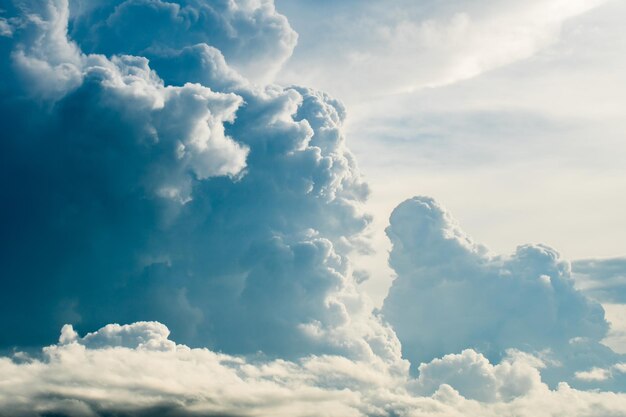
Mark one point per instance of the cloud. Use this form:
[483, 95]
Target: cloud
[401, 46]
[173, 188]
[451, 294]
[157, 180]
[616, 338]
[253, 36]
[502, 134]
[602, 279]
[136, 370]
[594, 374]
[471, 374]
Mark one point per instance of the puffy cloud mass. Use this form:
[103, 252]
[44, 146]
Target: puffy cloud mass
[171, 188]
[253, 37]
[136, 370]
[451, 294]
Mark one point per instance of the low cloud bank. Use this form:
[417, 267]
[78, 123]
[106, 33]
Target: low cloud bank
[136, 370]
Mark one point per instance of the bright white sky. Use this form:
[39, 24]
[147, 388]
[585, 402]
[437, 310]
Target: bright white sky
[509, 113]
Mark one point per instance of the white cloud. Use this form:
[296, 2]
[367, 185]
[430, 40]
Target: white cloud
[616, 338]
[471, 374]
[369, 49]
[451, 294]
[594, 374]
[136, 370]
[541, 138]
[5, 28]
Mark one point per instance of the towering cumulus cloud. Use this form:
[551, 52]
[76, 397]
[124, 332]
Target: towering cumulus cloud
[450, 294]
[250, 33]
[171, 188]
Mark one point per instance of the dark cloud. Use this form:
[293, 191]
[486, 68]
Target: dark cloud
[251, 34]
[175, 190]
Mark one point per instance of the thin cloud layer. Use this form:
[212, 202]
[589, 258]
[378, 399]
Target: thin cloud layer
[602, 279]
[400, 46]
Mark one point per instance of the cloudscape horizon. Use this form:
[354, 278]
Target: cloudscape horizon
[187, 231]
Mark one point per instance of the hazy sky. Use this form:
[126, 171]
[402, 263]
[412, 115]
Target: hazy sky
[509, 113]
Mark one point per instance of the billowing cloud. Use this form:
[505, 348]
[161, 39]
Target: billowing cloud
[254, 38]
[136, 370]
[451, 294]
[471, 374]
[174, 189]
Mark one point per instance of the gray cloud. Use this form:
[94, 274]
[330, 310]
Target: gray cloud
[176, 190]
[602, 279]
[450, 294]
[253, 36]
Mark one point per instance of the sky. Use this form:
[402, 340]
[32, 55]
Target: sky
[312, 208]
[535, 131]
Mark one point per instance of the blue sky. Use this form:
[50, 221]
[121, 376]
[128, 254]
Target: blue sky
[361, 208]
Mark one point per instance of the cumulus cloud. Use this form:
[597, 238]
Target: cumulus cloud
[450, 294]
[253, 36]
[472, 376]
[594, 374]
[136, 370]
[172, 188]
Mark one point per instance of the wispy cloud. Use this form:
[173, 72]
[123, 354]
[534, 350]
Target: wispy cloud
[368, 49]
